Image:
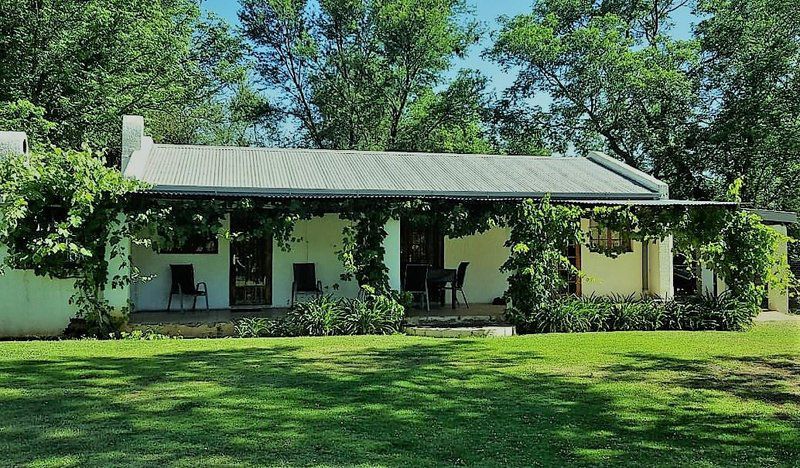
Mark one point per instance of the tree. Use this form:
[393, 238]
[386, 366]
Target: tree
[23, 116]
[751, 97]
[363, 74]
[697, 113]
[87, 62]
[615, 81]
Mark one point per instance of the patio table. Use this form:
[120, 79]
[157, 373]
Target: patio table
[439, 277]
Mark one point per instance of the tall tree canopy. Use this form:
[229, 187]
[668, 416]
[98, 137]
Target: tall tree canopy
[614, 80]
[87, 62]
[698, 113]
[369, 74]
[750, 120]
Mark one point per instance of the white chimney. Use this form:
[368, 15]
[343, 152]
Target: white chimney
[132, 137]
[13, 143]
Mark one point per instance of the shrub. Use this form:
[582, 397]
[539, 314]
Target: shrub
[253, 327]
[619, 313]
[146, 335]
[375, 315]
[598, 310]
[567, 316]
[632, 313]
[323, 316]
[722, 312]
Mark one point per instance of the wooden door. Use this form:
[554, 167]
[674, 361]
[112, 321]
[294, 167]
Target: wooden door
[420, 244]
[251, 269]
[573, 280]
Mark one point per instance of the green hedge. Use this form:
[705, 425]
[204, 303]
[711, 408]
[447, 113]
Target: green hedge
[325, 316]
[619, 313]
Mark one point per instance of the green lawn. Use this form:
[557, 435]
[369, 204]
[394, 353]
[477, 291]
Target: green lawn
[671, 398]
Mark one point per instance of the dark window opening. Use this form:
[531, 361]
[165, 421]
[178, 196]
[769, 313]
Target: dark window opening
[195, 244]
[684, 276]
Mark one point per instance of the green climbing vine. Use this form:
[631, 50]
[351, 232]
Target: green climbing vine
[60, 216]
[540, 233]
[362, 253]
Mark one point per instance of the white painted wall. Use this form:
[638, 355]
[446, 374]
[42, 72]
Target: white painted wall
[485, 253]
[211, 268]
[660, 268]
[605, 275]
[33, 305]
[392, 257]
[778, 299]
[319, 239]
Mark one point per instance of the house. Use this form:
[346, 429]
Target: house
[257, 275]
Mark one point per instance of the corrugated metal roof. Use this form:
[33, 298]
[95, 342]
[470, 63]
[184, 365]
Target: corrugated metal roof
[775, 216]
[302, 172]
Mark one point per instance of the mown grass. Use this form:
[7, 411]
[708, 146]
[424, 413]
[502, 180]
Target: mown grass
[639, 398]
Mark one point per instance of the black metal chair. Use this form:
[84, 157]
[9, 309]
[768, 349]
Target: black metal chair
[458, 284]
[183, 284]
[305, 281]
[416, 282]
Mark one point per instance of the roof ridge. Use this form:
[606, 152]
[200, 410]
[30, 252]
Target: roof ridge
[366, 152]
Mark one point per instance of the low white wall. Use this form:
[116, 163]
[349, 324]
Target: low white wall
[33, 305]
[485, 253]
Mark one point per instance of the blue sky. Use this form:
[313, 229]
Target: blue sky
[487, 12]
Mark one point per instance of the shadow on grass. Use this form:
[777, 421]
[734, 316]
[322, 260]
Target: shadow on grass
[443, 403]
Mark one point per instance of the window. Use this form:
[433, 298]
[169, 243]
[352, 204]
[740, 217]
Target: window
[602, 238]
[196, 244]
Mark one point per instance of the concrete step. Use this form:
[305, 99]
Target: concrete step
[462, 332]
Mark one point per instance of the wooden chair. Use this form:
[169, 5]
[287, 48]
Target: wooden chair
[416, 282]
[458, 284]
[305, 281]
[183, 284]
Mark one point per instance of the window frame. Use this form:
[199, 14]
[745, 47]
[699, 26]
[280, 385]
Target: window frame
[601, 237]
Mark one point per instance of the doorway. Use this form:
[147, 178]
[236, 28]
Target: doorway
[251, 268]
[420, 244]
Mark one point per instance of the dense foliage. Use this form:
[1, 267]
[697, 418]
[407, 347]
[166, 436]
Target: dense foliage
[373, 314]
[369, 74]
[85, 63]
[698, 111]
[372, 74]
[60, 216]
[540, 233]
[616, 313]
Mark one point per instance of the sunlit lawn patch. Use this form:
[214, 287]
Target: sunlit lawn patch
[703, 398]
